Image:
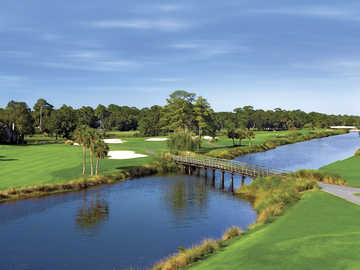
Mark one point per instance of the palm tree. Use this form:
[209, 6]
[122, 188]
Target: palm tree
[93, 136]
[250, 135]
[101, 150]
[81, 136]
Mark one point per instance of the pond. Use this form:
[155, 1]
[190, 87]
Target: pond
[312, 154]
[130, 224]
[136, 223]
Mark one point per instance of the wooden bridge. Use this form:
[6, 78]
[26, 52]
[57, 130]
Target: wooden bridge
[244, 169]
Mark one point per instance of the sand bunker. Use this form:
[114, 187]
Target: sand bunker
[113, 141]
[156, 139]
[76, 144]
[124, 155]
[207, 138]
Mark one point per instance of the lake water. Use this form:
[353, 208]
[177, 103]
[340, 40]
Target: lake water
[312, 154]
[136, 223]
[130, 224]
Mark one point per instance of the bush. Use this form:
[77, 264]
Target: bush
[320, 176]
[231, 233]
[357, 153]
[163, 163]
[272, 195]
[182, 140]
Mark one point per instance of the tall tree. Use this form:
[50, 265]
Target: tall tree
[178, 113]
[42, 110]
[64, 121]
[19, 119]
[82, 137]
[101, 150]
[204, 117]
[101, 113]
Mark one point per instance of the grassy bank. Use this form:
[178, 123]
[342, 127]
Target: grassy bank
[51, 163]
[271, 141]
[349, 169]
[319, 232]
[74, 185]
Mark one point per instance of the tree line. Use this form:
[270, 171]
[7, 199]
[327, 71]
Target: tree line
[183, 110]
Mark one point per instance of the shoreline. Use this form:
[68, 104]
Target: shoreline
[36, 191]
[237, 151]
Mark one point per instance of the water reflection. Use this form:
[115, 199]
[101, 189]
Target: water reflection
[93, 213]
[183, 196]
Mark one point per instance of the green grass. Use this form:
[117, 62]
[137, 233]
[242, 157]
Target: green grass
[121, 134]
[261, 136]
[49, 163]
[320, 232]
[357, 194]
[349, 169]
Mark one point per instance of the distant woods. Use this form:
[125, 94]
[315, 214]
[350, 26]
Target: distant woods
[183, 111]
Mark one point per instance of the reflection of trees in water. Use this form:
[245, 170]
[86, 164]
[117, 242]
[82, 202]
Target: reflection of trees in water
[184, 196]
[92, 214]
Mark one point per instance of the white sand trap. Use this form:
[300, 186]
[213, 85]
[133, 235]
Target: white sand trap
[207, 138]
[113, 141]
[76, 144]
[156, 139]
[124, 155]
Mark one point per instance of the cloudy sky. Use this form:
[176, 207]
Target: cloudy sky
[281, 53]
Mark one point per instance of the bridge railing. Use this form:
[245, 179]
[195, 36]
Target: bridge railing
[228, 165]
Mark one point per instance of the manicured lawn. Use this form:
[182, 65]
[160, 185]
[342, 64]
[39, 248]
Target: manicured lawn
[348, 169]
[319, 232]
[261, 136]
[46, 163]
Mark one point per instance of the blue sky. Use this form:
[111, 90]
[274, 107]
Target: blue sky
[289, 54]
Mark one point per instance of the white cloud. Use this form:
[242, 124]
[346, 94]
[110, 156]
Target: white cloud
[50, 37]
[312, 11]
[16, 54]
[163, 25]
[167, 80]
[11, 80]
[210, 47]
[170, 7]
[90, 60]
[102, 66]
[341, 67]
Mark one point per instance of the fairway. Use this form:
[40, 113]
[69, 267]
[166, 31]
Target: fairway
[261, 136]
[320, 232]
[348, 169]
[33, 164]
[47, 163]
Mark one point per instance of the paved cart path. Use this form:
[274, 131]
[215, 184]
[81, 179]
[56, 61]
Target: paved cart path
[347, 193]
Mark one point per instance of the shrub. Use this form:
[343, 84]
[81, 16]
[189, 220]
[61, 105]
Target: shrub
[163, 163]
[320, 176]
[231, 233]
[188, 256]
[357, 153]
[272, 195]
[182, 140]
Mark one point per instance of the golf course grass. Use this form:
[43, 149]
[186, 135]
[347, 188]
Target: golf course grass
[49, 163]
[319, 232]
[40, 162]
[349, 169]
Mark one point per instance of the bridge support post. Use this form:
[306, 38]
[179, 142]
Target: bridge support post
[243, 180]
[206, 176]
[213, 177]
[198, 171]
[222, 179]
[189, 170]
[232, 183]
